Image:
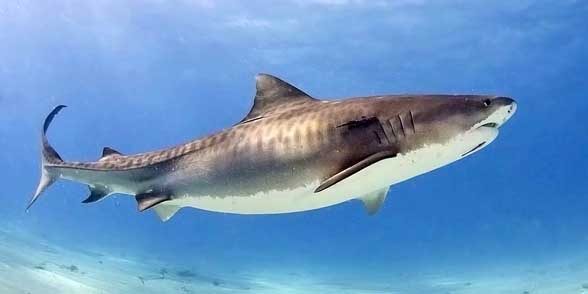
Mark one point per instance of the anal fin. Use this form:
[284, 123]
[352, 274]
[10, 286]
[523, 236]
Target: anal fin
[97, 193]
[165, 212]
[373, 201]
[150, 199]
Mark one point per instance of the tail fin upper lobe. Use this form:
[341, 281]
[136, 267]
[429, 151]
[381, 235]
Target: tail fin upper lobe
[48, 156]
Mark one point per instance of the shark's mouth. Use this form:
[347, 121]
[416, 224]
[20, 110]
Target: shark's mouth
[475, 148]
[488, 126]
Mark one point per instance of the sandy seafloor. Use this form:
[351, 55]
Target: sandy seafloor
[31, 265]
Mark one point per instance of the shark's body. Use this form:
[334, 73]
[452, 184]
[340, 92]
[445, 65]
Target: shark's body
[294, 153]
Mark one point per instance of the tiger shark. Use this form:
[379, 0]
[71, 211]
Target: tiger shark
[292, 153]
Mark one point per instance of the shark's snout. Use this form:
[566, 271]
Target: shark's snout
[508, 103]
[504, 101]
[506, 109]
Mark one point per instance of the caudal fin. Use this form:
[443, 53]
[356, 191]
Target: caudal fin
[48, 157]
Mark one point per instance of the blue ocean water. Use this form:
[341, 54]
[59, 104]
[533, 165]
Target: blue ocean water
[144, 75]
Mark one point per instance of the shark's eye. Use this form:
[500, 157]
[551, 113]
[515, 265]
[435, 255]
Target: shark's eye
[487, 102]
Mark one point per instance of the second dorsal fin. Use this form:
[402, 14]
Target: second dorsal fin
[107, 151]
[271, 92]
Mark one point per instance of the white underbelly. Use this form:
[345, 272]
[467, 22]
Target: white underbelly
[377, 176]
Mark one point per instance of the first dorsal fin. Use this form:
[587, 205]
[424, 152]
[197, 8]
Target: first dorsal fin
[271, 93]
[107, 151]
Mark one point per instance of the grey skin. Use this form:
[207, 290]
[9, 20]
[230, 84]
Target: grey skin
[288, 140]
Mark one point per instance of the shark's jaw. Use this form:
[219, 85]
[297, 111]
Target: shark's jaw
[490, 126]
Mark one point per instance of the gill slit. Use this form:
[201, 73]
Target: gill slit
[392, 129]
[412, 121]
[401, 125]
[378, 137]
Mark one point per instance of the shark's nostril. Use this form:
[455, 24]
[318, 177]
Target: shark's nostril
[512, 108]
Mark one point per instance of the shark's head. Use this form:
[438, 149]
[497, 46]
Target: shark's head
[432, 131]
[448, 128]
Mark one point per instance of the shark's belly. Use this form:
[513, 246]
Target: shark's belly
[377, 176]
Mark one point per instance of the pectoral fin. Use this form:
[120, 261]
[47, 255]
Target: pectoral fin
[373, 201]
[354, 169]
[150, 199]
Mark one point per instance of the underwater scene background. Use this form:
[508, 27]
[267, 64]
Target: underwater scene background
[143, 75]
